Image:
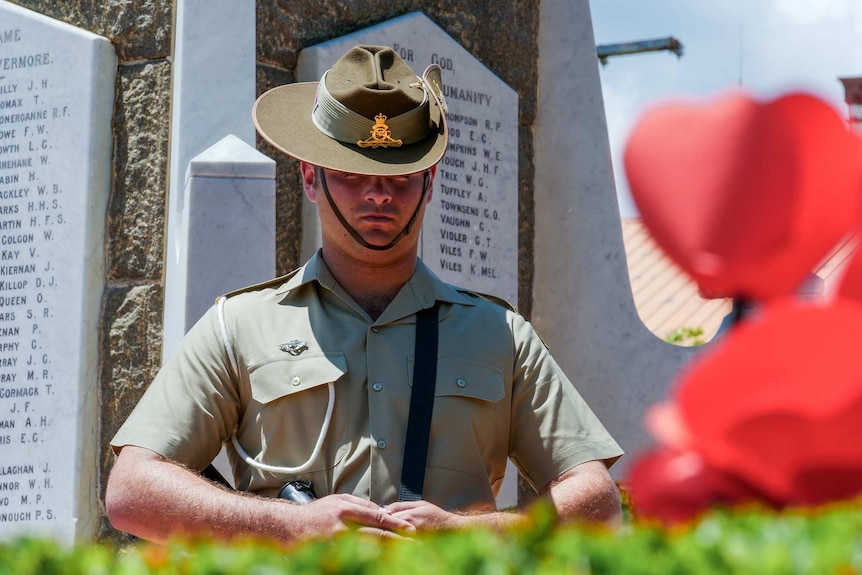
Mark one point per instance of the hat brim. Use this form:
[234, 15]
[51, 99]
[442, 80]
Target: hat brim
[283, 117]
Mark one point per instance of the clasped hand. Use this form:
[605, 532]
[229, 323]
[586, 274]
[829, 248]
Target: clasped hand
[335, 513]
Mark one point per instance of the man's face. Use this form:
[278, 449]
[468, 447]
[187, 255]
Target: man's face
[377, 207]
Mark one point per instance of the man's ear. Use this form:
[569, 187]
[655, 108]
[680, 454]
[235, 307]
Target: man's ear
[308, 180]
[432, 172]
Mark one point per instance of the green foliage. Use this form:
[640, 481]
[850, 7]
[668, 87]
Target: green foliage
[753, 541]
[686, 336]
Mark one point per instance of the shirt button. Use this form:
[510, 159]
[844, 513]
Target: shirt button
[295, 380]
[375, 329]
[461, 383]
[381, 444]
[377, 386]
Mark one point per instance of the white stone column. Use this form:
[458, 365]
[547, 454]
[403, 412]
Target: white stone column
[582, 302]
[226, 236]
[213, 93]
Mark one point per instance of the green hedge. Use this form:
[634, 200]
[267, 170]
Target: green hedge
[826, 542]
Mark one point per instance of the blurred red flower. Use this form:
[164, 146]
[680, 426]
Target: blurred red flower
[746, 196]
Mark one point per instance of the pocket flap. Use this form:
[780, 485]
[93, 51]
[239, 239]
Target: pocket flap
[288, 375]
[466, 378]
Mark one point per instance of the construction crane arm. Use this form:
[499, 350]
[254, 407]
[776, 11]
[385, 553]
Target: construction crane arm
[670, 44]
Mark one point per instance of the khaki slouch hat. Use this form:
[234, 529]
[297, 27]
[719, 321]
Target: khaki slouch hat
[369, 114]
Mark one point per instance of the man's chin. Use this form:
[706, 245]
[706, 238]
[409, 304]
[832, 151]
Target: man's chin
[377, 237]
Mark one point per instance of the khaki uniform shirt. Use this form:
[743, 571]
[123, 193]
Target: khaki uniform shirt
[499, 393]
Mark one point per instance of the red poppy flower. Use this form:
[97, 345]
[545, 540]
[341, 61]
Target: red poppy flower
[676, 486]
[746, 196]
[850, 285]
[778, 403]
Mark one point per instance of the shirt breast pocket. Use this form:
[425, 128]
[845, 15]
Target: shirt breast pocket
[470, 423]
[287, 412]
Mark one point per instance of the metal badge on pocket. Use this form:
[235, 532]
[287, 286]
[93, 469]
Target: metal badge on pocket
[294, 347]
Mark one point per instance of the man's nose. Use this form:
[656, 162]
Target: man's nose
[375, 190]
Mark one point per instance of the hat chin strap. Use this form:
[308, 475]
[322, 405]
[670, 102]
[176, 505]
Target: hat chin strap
[426, 184]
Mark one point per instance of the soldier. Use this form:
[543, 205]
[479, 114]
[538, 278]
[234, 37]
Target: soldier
[396, 397]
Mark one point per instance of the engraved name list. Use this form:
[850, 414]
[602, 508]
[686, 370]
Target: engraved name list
[56, 89]
[30, 210]
[470, 234]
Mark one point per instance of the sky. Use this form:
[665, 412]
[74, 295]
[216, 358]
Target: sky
[765, 47]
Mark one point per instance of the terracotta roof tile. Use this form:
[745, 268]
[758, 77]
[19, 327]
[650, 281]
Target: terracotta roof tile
[666, 299]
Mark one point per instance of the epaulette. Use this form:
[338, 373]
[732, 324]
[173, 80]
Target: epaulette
[491, 298]
[259, 286]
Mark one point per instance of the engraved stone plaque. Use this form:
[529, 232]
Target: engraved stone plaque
[56, 100]
[470, 234]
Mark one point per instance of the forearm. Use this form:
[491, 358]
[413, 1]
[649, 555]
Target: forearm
[586, 493]
[157, 500]
[495, 520]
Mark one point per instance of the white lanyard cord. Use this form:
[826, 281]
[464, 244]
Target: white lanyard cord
[317, 447]
[327, 418]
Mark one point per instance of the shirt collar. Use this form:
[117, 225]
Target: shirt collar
[421, 291]
[314, 270]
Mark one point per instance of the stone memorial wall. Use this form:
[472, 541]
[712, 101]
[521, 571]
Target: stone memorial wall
[470, 233]
[56, 100]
